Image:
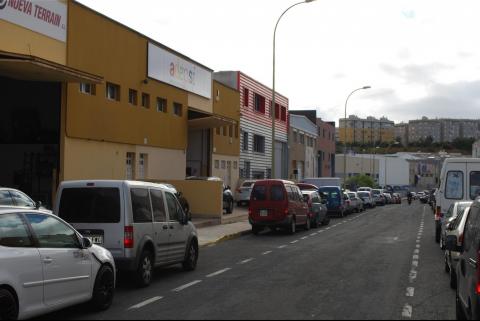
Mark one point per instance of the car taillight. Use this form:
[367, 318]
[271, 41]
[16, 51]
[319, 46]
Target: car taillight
[128, 241]
[478, 273]
[286, 211]
[438, 213]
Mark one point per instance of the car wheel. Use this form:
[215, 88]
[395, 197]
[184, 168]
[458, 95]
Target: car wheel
[145, 269]
[104, 289]
[459, 309]
[230, 207]
[256, 229]
[8, 306]
[453, 279]
[308, 225]
[293, 227]
[326, 221]
[190, 263]
[316, 224]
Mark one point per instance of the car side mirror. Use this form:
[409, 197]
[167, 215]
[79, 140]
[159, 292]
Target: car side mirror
[451, 244]
[86, 243]
[38, 205]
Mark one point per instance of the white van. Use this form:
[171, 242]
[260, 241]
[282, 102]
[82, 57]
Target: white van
[459, 181]
[142, 224]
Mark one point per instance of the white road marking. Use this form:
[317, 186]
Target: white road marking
[266, 253]
[183, 287]
[412, 276]
[218, 273]
[415, 263]
[145, 303]
[282, 246]
[410, 292]
[246, 261]
[304, 238]
[416, 257]
[407, 311]
[293, 242]
[345, 221]
[418, 246]
[417, 251]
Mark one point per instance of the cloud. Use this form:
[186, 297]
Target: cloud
[458, 100]
[416, 74]
[409, 14]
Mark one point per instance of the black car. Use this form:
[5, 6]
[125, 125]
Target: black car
[228, 200]
[468, 268]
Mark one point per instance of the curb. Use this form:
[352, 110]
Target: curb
[228, 238]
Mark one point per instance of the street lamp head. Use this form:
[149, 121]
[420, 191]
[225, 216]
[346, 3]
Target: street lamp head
[308, 1]
[366, 87]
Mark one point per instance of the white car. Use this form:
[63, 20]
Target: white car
[46, 265]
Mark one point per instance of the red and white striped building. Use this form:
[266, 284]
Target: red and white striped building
[256, 127]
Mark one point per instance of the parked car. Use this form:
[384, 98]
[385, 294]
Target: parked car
[468, 267]
[317, 208]
[379, 198]
[460, 181]
[48, 266]
[365, 189]
[277, 204]
[452, 213]
[357, 203]
[367, 198]
[142, 224]
[307, 187]
[10, 197]
[456, 228]
[228, 199]
[397, 198]
[388, 198]
[244, 192]
[335, 200]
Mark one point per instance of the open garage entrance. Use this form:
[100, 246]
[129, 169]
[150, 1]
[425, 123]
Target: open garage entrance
[30, 137]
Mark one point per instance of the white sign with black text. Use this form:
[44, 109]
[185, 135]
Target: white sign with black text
[47, 17]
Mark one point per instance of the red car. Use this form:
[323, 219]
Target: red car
[277, 204]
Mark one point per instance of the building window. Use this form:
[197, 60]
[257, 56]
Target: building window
[162, 105]
[178, 109]
[113, 92]
[245, 141]
[225, 131]
[237, 129]
[132, 97]
[217, 164]
[284, 114]
[259, 144]
[295, 137]
[217, 130]
[277, 111]
[88, 89]
[224, 164]
[246, 97]
[130, 166]
[145, 100]
[235, 165]
[230, 131]
[259, 104]
[247, 169]
[142, 166]
[302, 139]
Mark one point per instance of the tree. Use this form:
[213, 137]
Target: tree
[361, 181]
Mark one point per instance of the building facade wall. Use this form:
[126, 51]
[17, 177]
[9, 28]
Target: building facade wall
[366, 131]
[326, 146]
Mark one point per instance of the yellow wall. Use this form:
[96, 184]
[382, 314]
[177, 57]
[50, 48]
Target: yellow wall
[200, 103]
[23, 41]
[85, 159]
[103, 47]
[226, 103]
[364, 136]
[200, 205]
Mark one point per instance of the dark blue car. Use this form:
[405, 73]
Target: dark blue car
[334, 196]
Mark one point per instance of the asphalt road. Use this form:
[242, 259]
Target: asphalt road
[380, 264]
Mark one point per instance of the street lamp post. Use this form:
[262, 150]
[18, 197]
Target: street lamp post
[273, 94]
[345, 136]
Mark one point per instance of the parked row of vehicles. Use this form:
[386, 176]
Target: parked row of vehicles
[51, 260]
[288, 205]
[457, 221]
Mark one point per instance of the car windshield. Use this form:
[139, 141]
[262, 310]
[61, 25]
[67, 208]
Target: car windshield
[248, 184]
[364, 194]
[330, 193]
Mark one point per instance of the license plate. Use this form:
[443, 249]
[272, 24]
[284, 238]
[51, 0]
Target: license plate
[98, 240]
[264, 213]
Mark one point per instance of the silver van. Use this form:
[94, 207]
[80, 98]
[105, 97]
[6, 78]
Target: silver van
[141, 224]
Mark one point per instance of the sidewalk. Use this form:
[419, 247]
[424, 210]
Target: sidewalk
[216, 234]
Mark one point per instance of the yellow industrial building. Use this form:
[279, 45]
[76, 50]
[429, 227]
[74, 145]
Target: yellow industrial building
[86, 97]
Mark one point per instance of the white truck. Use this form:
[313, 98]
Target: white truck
[323, 181]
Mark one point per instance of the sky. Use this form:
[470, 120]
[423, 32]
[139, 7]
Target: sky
[421, 57]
